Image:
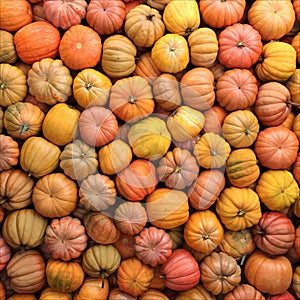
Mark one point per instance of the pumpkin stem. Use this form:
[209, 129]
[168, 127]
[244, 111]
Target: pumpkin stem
[241, 213]
[261, 232]
[150, 17]
[205, 236]
[293, 103]
[3, 86]
[241, 44]
[162, 276]
[102, 279]
[177, 169]
[3, 200]
[132, 99]
[88, 85]
[24, 128]
[243, 258]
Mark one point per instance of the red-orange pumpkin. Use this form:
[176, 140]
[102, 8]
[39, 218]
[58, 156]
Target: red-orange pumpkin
[5, 253]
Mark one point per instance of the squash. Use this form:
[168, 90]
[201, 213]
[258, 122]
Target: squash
[244, 291]
[49, 293]
[296, 169]
[117, 293]
[9, 152]
[125, 245]
[93, 288]
[197, 292]
[295, 281]
[153, 294]
[5, 253]
[295, 43]
[292, 84]
[8, 52]
[214, 118]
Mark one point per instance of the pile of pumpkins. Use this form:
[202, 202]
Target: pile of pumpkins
[149, 149]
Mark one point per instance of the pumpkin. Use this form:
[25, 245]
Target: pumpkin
[43, 80]
[214, 118]
[65, 14]
[295, 281]
[295, 43]
[80, 47]
[296, 126]
[78, 160]
[277, 189]
[13, 86]
[9, 152]
[114, 157]
[238, 208]
[134, 277]
[197, 292]
[130, 217]
[203, 45]
[131, 99]
[240, 46]
[38, 12]
[101, 261]
[54, 195]
[153, 246]
[220, 273]
[137, 180]
[187, 17]
[91, 87]
[197, 88]
[92, 288]
[97, 126]
[244, 291]
[257, 272]
[286, 296]
[20, 296]
[170, 53]
[5, 253]
[24, 229]
[273, 19]
[149, 138]
[118, 56]
[167, 208]
[144, 25]
[274, 233]
[65, 238]
[49, 293]
[97, 192]
[276, 147]
[185, 123]
[158, 4]
[116, 293]
[296, 208]
[22, 120]
[211, 151]
[15, 189]
[297, 9]
[2, 214]
[176, 235]
[218, 14]
[278, 61]
[101, 228]
[240, 128]
[289, 121]
[1, 119]
[106, 17]
[157, 282]
[153, 294]
[203, 231]
[236, 89]
[241, 167]
[178, 169]
[26, 271]
[206, 189]
[64, 276]
[181, 271]
[14, 16]
[37, 40]
[296, 169]
[125, 245]
[8, 52]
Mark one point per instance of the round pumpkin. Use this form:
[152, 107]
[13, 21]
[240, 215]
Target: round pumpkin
[9, 152]
[49, 293]
[125, 245]
[214, 118]
[197, 292]
[8, 52]
[93, 288]
[244, 291]
[296, 168]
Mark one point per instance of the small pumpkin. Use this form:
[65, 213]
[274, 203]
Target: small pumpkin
[93, 288]
[295, 281]
[117, 293]
[8, 52]
[153, 294]
[9, 152]
[296, 169]
[125, 245]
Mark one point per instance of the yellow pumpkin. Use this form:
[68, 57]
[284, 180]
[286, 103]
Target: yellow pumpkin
[293, 84]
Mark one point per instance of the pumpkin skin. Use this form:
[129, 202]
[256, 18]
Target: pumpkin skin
[277, 189]
[2, 290]
[296, 127]
[91, 87]
[97, 126]
[118, 47]
[8, 52]
[13, 86]
[65, 14]
[187, 17]
[240, 128]
[93, 288]
[242, 42]
[181, 271]
[80, 47]
[170, 53]
[64, 276]
[295, 281]
[289, 121]
[236, 89]
[36, 41]
[54, 195]
[214, 118]
[220, 273]
[24, 228]
[78, 160]
[125, 245]
[153, 294]
[286, 295]
[137, 180]
[175, 208]
[297, 9]
[273, 19]
[295, 43]
[134, 277]
[131, 99]
[274, 233]
[15, 16]
[25, 296]
[278, 61]
[276, 147]
[197, 88]
[97, 192]
[1, 119]
[15, 189]
[49, 293]
[26, 270]
[144, 25]
[9, 152]
[65, 238]
[203, 231]
[48, 91]
[197, 292]
[5, 253]
[218, 14]
[116, 293]
[238, 208]
[296, 169]
[257, 269]
[244, 291]
[106, 17]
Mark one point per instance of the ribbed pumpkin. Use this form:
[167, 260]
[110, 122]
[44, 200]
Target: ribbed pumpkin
[54, 195]
[93, 288]
[292, 84]
[214, 118]
[9, 152]
[244, 291]
[295, 281]
[197, 292]
[36, 41]
[125, 245]
[295, 43]
[49, 293]
[153, 294]
[5, 253]
[296, 169]
[8, 52]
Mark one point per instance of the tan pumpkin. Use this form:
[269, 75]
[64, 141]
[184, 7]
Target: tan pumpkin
[8, 52]
[93, 288]
[158, 4]
[197, 292]
[244, 291]
[9, 152]
[292, 84]
[117, 293]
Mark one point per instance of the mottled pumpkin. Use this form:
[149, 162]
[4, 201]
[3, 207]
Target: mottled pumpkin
[8, 52]
[93, 288]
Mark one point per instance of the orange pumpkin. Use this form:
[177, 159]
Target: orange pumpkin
[295, 44]
[9, 152]
[5, 253]
[214, 118]
[296, 168]
[244, 291]
[49, 293]
[92, 288]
